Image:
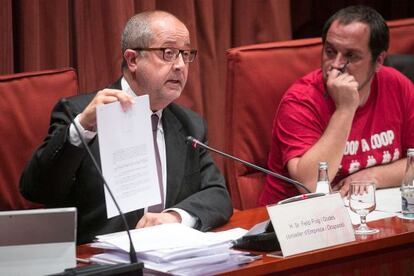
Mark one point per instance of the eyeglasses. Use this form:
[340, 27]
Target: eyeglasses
[171, 54]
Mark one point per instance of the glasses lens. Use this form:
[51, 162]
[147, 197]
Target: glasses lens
[188, 55]
[170, 54]
[185, 54]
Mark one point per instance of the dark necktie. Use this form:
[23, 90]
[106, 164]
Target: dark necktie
[157, 208]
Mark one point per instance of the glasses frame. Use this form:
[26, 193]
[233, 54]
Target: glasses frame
[193, 53]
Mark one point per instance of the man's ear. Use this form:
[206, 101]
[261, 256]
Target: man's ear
[380, 60]
[131, 59]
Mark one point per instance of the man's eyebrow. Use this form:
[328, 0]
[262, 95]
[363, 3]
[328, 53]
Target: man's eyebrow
[354, 50]
[327, 44]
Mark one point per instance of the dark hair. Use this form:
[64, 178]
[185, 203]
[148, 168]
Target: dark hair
[379, 34]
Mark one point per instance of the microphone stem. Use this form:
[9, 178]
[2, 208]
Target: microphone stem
[279, 176]
[132, 252]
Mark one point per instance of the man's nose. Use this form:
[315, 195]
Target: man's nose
[339, 61]
[179, 61]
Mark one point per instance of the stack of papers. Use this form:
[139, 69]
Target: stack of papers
[175, 248]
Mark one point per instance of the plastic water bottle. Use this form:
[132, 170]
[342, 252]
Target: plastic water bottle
[407, 186]
[323, 185]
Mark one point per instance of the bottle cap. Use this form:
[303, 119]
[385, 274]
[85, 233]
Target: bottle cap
[324, 165]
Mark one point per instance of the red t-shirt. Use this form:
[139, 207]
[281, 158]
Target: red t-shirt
[382, 129]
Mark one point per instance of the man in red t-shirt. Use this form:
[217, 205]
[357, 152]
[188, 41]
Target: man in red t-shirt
[353, 113]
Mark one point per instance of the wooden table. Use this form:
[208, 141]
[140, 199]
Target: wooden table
[390, 252]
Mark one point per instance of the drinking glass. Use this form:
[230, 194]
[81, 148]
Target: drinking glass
[362, 202]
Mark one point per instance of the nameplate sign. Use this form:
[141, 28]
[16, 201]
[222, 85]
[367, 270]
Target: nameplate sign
[311, 224]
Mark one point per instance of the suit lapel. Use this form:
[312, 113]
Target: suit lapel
[176, 150]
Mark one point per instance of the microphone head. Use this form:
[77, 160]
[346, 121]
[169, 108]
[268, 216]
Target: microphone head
[192, 141]
[189, 139]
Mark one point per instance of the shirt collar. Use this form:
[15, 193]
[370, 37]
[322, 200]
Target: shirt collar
[128, 90]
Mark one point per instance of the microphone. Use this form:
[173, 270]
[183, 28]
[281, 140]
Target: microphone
[194, 142]
[134, 266]
[262, 236]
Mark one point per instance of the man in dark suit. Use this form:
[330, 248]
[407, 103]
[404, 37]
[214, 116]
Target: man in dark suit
[156, 51]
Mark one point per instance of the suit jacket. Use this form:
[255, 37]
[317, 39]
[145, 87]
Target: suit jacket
[61, 175]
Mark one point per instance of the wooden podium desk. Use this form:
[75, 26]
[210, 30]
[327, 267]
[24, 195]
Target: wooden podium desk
[390, 252]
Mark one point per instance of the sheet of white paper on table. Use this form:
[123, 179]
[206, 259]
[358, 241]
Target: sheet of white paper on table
[236, 259]
[172, 254]
[388, 200]
[201, 265]
[127, 155]
[170, 235]
[188, 262]
[165, 255]
[177, 249]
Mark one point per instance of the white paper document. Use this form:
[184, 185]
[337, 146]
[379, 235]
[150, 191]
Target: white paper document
[127, 155]
[388, 200]
[177, 249]
[202, 265]
[169, 235]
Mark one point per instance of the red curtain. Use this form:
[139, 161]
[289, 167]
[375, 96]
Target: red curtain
[85, 34]
[309, 16]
